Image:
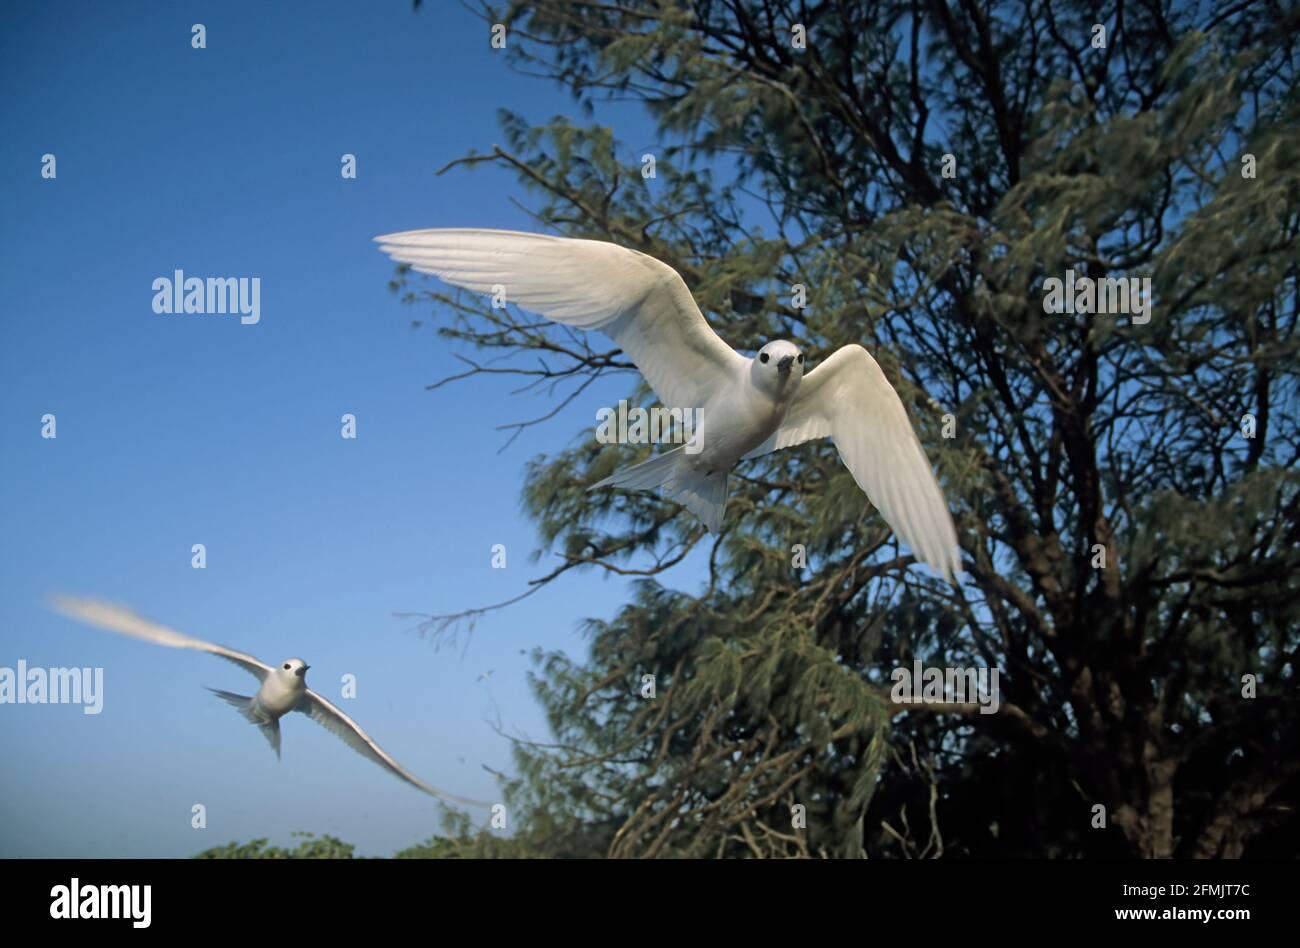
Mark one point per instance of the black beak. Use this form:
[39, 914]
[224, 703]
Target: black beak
[302, 672]
[784, 365]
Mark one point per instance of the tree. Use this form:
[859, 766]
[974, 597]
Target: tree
[309, 847]
[1125, 488]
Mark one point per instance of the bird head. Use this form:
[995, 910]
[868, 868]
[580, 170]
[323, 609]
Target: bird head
[293, 669]
[778, 368]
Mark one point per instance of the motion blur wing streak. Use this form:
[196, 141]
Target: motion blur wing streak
[117, 618]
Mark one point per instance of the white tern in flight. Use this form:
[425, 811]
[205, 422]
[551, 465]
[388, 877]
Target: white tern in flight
[284, 687]
[746, 407]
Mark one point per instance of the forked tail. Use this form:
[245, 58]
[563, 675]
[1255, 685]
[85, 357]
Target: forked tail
[245, 705]
[703, 493]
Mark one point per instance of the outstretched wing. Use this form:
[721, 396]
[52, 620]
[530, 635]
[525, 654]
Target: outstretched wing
[117, 618]
[848, 399]
[639, 302]
[332, 719]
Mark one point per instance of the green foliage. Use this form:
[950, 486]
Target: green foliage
[1120, 685]
[310, 847]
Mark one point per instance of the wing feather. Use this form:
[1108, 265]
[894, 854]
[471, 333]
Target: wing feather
[336, 722]
[848, 399]
[115, 618]
[636, 300]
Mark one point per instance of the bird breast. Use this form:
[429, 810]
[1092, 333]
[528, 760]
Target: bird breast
[733, 425]
[280, 697]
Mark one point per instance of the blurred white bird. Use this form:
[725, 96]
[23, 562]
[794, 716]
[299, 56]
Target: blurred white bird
[283, 689]
[747, 407]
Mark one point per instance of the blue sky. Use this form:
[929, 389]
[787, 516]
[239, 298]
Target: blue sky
[176, 430]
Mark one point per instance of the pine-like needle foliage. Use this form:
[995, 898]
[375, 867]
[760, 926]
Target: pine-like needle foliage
[922, 168]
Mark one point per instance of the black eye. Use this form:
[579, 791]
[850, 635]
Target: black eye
[763, 357]
[801, 360]
[286, 666]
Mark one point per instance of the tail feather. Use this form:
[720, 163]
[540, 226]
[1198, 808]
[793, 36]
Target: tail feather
[244, 704]
[703, 494]
[646, 475]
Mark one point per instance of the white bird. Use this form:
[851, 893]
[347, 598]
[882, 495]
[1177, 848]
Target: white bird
[747, 407]
[284, 688]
